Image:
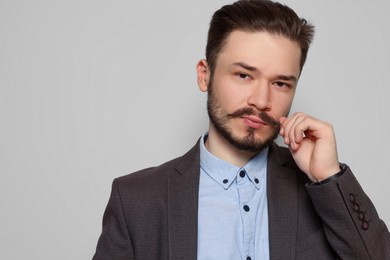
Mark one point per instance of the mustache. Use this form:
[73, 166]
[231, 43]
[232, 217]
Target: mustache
[250, 111]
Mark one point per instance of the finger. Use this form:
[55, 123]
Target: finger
[312, 128]
[281, 120]
[295, 131]
[288, 126]
[299, 128]
[285, 126]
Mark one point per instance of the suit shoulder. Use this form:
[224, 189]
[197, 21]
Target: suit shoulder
[154, 180]
[150, 173]
[163, 171]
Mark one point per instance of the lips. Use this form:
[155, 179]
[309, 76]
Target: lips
[253, 122]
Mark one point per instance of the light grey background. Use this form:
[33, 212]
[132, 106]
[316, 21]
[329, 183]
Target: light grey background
[92, 89]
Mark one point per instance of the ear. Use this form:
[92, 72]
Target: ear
[203, 73]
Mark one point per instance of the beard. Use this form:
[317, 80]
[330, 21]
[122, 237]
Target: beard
[249, 143]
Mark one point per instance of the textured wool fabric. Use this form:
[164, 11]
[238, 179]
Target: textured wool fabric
[152, 214]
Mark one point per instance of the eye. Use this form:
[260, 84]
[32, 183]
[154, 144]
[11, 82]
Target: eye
[243, 76]
[281, 84]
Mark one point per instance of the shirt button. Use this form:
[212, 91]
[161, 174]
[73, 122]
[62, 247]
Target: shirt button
[225, 181]
[246, 208]
[257, 181]
[242, 174]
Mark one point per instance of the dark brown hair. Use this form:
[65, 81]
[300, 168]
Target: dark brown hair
[256, 16]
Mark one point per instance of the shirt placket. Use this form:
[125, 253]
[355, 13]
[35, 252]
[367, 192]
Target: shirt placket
[246, 192]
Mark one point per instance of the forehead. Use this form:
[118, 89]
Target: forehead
[263, 50]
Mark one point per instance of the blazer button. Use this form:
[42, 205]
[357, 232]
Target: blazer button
[351, 198]
[365, 225]
[356, 207]
[361, 216]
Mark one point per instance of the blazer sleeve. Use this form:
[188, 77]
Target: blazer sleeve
[351, 223]
[114, 242]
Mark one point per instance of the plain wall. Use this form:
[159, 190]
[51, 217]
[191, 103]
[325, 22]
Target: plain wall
[91, 90]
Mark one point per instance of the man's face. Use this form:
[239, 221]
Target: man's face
[253, 85]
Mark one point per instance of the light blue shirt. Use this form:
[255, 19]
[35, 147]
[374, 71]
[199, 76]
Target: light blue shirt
[233, 212]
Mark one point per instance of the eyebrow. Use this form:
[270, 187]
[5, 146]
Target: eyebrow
[287, 78]
[254, 69]
[245, 66]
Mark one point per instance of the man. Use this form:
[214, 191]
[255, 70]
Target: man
[236, 194]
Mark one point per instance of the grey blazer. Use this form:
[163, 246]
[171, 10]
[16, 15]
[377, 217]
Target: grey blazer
[152, 214]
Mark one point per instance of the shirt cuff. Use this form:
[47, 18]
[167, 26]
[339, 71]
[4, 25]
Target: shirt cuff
[343, 167]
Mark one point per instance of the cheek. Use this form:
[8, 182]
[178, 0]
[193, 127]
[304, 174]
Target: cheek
[282, 105]
[229, 96]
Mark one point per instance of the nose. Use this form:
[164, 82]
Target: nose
[260, 97]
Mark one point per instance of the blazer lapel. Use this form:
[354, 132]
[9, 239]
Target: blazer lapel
[282, 206]
[183, 186]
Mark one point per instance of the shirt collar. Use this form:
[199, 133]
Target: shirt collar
[225, 173]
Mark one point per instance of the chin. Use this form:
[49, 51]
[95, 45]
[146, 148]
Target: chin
[250, 142]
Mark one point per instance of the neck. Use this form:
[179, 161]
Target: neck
[221, 148]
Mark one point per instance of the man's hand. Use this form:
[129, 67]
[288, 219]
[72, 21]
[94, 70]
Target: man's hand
[313, 145]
